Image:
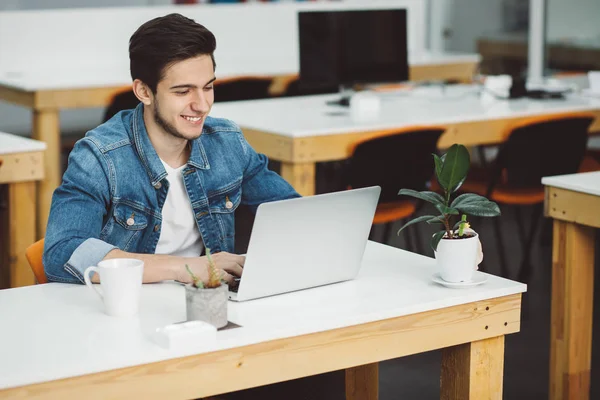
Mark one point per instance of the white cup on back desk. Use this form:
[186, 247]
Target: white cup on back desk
[594, 80]
[121, 285]
[365, 106]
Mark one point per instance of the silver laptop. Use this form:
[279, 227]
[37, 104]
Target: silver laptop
[306, 242]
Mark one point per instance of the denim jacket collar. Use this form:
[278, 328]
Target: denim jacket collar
[148, 154]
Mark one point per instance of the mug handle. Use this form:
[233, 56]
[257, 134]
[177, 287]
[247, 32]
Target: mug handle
[88, 281]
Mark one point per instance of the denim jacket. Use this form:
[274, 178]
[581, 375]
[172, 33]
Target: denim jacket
[114, 189]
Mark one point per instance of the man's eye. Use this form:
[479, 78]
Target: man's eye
[207, 88]
[183, 92]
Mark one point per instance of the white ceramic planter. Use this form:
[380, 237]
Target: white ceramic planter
[208, 305]
[457, 259]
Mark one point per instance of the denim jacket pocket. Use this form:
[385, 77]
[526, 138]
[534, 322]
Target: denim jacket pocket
[223, 203]
[126, 227]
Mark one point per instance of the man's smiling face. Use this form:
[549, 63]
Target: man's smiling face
[184, 97]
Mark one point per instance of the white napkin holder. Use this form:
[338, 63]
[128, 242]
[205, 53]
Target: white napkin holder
[186, 334]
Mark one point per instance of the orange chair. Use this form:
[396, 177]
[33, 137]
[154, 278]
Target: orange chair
[393, 159]
[532, 149]
[590, 163]
[34, 256]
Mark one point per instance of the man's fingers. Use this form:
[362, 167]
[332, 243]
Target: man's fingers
[226, 277]
[224, 257]
[233, 268]
[239, 259]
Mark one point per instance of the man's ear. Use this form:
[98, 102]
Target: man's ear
[142, 92]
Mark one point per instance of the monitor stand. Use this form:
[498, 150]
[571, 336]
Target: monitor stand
[346, 93]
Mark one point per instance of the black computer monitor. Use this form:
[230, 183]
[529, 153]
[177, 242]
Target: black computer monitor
[344, 48]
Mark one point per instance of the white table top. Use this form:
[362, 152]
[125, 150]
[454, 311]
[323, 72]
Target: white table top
[45, 323]
[10, 144]
[587, 182]
[310, 116]
[118, 75]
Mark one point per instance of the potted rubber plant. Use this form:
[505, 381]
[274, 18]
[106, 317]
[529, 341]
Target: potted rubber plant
[455, 245]
[207, 301]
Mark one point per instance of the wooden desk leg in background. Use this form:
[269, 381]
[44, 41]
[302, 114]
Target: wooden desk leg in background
[572, 306]
[46, 127]
[21, 231]
[473, 371]
[362, 382]
[301, 176]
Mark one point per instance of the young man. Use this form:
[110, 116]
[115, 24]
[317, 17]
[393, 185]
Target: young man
[160, 182]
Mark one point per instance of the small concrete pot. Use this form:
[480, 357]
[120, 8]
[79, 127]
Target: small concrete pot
[208, 305]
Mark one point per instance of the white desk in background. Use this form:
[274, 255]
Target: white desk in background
[21, 165]
[47, 91]
[573, 201]
[302, 131]
[57, 343]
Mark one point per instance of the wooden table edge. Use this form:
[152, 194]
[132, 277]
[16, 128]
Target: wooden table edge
[284, 359]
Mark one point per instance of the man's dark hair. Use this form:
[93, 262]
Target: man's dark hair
[163, 41]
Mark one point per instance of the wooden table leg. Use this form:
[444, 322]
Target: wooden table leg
[473, 370]
[21, 228]
[572, 306]
[362, 382]
[46, 127]
[301, 176]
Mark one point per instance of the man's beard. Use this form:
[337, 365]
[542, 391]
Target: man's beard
[165, 125]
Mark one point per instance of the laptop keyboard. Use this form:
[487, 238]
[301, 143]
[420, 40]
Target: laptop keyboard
[235, 285]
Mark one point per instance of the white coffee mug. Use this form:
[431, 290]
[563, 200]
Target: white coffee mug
[121, 282]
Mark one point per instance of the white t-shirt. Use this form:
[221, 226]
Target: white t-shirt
[179, 235]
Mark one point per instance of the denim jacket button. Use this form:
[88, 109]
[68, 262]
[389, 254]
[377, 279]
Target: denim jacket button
[228, 205]
[157, 185]
[156, 227]
[130, 221]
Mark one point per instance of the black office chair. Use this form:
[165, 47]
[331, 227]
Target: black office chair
[537, 147]
[124, 100]
[242, 88]
[239, 88]
[394, 160]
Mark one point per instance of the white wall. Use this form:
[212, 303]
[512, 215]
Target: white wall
[83, 39]
[467, 19]
[6, 5]
[17, 119]
[573, 19]
[457, 23]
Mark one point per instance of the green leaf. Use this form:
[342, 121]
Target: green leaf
[197, 281]
[455, 168]
[439, 162]
[467, 198]
[435, 240]
[436, 220]
[414, 221]
[431, 197]
[474, 204]
[446, 210]
[481, 209]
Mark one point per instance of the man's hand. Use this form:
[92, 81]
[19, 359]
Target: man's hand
[229, 265]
